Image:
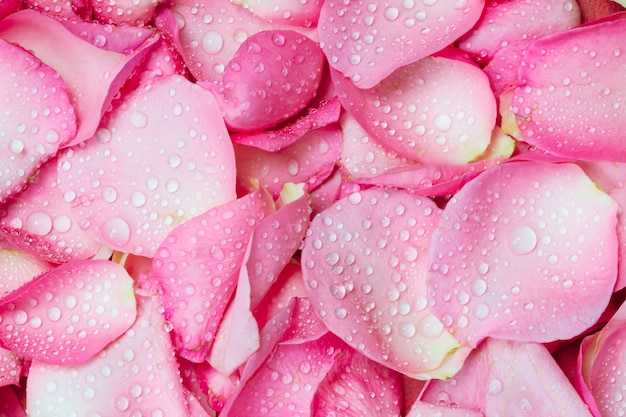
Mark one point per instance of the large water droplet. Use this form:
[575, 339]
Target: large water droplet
[138, 119]
[116, 231]
[212, 42]
[523, 240]
[39, 223]
[495, 386]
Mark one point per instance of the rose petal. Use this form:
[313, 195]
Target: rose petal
[36, 115]
[132, 12]
[41, 221]
[70, 313]
[128, 195]
[18, 268]
[526, 251]
[572, 87]
[437, 110]
[10, 368]
[137, 373]
[61, 9]
[364, 261]
[287, 12]
[92, 82]
[198, 266]
[10, 405]
[366, 42]
[424, 409]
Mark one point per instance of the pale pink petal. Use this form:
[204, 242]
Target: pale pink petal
[135, 375]
[569, 102]
[92, 82]
[198, 267]
[272, 76]
[10, 368]
[210, 387]
[357, 386]
[61, 9]
[364, 266]
[526, 251]
[288, 12]
[41, 221]
[70, 313]
[162, 157]
[437, 110]
[309, 160]
[237, 337]
[509, 379]
[36, 115]
[17, 268]
[502, 69]
[368, 41]
[327, 193]
[275, 240]
[424, 409]
[10, 404]
[507, 21]
[131, 12]
[276, 140]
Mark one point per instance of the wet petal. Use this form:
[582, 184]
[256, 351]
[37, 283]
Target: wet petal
[36, 116]
[570, 101]
[132, 12]
[271, 77]
[437, 110]
[129, 195]
[310, 160]
[17, 268]
[41, 221]
[70, 313]
[526, 251]
[10, 368]
[288, 12]
[92, 82]
[137, 373]
[509, 378]
[424, 409]
[61, 9]
[368, 41]
[364, 267]
[198, 267]
[10, 405]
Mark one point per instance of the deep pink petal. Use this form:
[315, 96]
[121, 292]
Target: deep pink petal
[424, 409]
[61, 9]
[364, 266]
[132, 12]
[526, 251]
[70, 313]
[92, 82]
[507, 21]
[509, 378]
[288, 12]
[327, 193]
[276, 140]
[272, 76]
[570, 100]
[210, 387]
[162, 157]
[135, 375]
[10, 368]
[10, 404]
[310, 160]
[17, 268]
[41, 221]
[368, 41]
[357, 386]
[198, 267]
[437, 110]
[10, 6]
[36, 115]
[502, 69]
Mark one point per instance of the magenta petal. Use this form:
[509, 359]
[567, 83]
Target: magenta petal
[424, 409]
[368, 41]
[91, 82]
[526, 251]
[364, 266]
[198, 267]
[436, 110]
[509, 379]
[69, 314]
[135, 375]
[10, 405]
[36, 116]
[10, 368]
[129, 195]
[41, 221]
[570, 100]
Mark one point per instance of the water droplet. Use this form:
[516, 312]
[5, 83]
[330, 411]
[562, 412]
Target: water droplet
[391, 13]
[495, 386]
[138, 119]
[393, 294]
[341, 313]
[481, 311]
[212, 42]
[338, 291]
[410, 254]
[293, 167]
[430, 326]
[442, 122]
[278, 39]
[122, 404]
[523, 240]
[138, 199]
[38, 223]
[116, 231]
[407, 330]
[16, 146]
[54, 314]
[478, 287]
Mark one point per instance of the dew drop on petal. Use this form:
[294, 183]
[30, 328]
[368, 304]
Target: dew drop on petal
[116, 231]
[212, 42]
[39, 223]
[523, 240]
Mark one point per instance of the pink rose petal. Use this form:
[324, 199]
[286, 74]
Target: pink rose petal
[17, 268]
[70, 313]
[508, 21]
[368, 41]
[10, 368]
[9, 6]
[327, 193]
[36, 116]
[310, 160]
[271, 77]
[198, 267]
[437, 110]
[61, 9]
[502, 69]
[41, 221]
[160, 158]
[424, 409]
[132, 12]
[92, 82]
[572, 87]
[135, 375]
[364, 265]
[526, 251]
[288, 12]
[10, 405]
